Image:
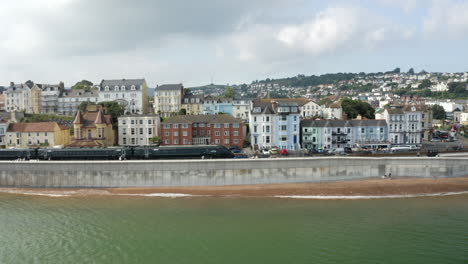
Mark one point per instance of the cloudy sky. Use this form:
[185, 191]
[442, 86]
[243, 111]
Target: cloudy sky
[229, 41]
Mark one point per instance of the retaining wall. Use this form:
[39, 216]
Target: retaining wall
[74, 174]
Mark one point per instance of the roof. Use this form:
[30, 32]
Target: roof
[269, 106]
[128, 83]
[90, 119]
[32, 127]
[299, 101]
[169, 87]
[190, 119]
[343, 123]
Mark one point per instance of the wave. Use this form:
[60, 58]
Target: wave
[166, 195]
[357, 197]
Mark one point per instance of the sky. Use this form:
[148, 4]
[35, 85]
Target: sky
[226, 41]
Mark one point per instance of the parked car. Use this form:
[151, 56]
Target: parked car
[284, 152]
[433, 153]
[265, 152]
[274, 151]
[435, 139]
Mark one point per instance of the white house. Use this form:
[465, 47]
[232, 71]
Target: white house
[404, 124]
[137, 130]
[275, 124]
[131, 93]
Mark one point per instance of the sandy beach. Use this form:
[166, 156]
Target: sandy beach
[372, 187]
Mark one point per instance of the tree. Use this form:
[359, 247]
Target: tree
[182, 111]
[396, 70]
[353, 108]
[426, 83]
[112, 108]
[229, 93]
[325, 101]
[187, 91]
[84, 84]
[438, 112]
[457, 88]
[155, 140]
[411, 71]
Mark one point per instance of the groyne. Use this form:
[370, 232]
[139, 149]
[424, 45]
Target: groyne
[108, 174]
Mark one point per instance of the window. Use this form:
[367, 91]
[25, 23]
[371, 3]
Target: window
[124, 122]
[267, 139]
[150, 131]
[176, 125]
[226, 133]
[133, 131]
[268, 119]
[226, 125]
[236, 133]
[166, 126]
[184, 133]
[166, 142]
[284, 128]
[141, 122]
[124, 131]
[185, 141]
[236, 141]
[217, 141]
[217, 133]
[381, 130]
[235, 125]
[363, 130]
[217, 125]
[255, 119]
[176, 141]
[166, 133]
[184, 125]
[133, 122]
[284, 138]
[202, 124]
[141, 131]
[176, 133]
[255, 129]
[284, 118]
[150, 122]
[371, 130]
[133, 141]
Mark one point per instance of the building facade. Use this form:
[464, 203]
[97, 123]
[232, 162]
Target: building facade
[50, 98]
[93, 128]
[168, 99]
[193, 104]
[241, 108]
[131, 93]
[138, 130]
[33, 135]
[333, 134]
[3, 129]
[70, 100]
[202, 130]
[18, 98]
[405, 124]
[215, 105]
[275, 124]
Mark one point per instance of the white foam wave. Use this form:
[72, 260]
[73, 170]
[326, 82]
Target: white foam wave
[357, 197]
[165, 195]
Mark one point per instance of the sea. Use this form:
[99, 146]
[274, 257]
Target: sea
[57, 228]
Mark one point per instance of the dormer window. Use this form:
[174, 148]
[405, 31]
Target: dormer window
[116, 88]
[133, 88]
[122, 88]
[257, 110]
[106, 88]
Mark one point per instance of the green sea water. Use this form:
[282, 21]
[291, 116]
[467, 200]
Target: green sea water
[116, 229]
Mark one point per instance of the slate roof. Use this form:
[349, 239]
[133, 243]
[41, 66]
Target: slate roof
[80, 93]
[299, 101]
[169, 87]
[122, 82]
[209, 119]
[32, 127]
[269, 106]
[90, 119]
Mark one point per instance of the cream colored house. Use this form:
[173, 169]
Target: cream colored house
[193, 104]
[32, 135]
[168, 99]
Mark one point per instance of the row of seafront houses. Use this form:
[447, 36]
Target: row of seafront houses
[284, 123]
[272, 123]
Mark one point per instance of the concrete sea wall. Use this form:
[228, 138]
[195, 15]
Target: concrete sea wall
[97, 174]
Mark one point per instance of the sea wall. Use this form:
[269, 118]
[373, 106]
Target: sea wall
[97, 174]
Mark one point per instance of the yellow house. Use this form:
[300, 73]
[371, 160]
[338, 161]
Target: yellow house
[93, 128]
[33, 135]
[36, 102]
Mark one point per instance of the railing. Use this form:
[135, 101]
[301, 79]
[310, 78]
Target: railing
[339, 133]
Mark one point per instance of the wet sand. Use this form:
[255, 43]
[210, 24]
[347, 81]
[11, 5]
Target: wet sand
[374, 187]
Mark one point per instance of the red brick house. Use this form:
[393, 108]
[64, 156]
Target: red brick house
[202, 130]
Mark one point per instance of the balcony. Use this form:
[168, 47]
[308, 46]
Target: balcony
[342, 133]
[340, 141]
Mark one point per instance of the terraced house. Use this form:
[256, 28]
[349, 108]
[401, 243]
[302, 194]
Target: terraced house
[333, 134]
[275, 124]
